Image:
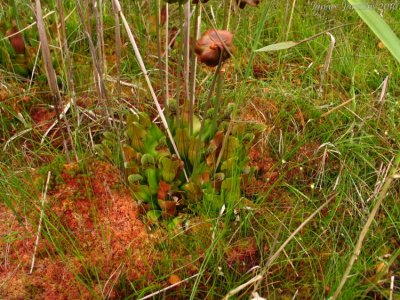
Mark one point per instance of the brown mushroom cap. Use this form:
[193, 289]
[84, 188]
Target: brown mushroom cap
[212, 44]
[242, 3]
[197, 1]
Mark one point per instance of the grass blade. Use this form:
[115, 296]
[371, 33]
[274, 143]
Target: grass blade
[378, 25]
[278, 46]
[291, 44]
[357, 250]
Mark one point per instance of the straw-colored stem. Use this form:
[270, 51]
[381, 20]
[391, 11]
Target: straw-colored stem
[118, 46]
[51, 78]
[327, 63]
[40, 221]
[99, 34]
[158, 36]
[228, 23]
[357, 249]
[98, 75]
[187, 49]
[257, 279]
[179, 67]
[290, 19]
[67, 55]
[146, 76]
[166, 53]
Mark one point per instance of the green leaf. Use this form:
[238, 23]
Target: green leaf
[151, 175]
[378, 25]
[169, 168]
[278, 46]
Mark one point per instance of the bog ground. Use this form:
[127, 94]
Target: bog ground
[148, 151]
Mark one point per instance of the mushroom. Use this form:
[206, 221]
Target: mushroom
[212, 44]
[197, 1]
[242, 3]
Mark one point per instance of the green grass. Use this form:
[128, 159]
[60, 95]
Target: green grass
[341, 153]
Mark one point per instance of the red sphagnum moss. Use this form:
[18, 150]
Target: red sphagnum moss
[102, 219]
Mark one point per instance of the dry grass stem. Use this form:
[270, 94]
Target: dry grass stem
[27, 27]
[34, 69]
[67, 55]
[336, 108]
[242, 286]
[98, 74]
[382, 96]
[367, 225]
[287, 241]
[166, 89]
[186, 69]
[150, 86]
[40, 221]
[327, 63]
[118, 46]
[290, 19]
[51, 76]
